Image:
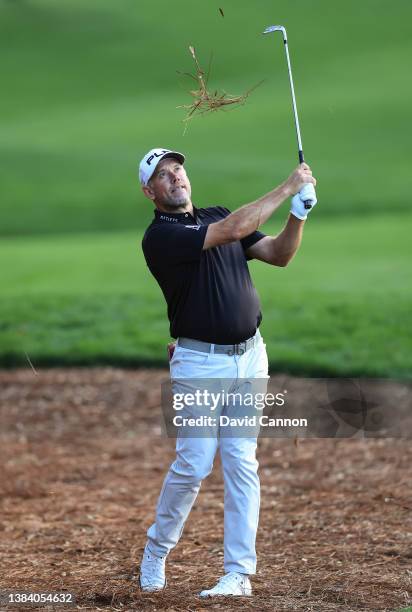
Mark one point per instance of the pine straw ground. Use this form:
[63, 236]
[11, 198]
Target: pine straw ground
[83, 462]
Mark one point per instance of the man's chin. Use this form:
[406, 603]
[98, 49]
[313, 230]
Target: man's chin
[178, 202]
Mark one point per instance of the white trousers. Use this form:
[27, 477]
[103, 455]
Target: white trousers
[194, 461]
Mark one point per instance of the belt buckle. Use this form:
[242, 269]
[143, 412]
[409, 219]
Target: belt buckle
[236, 350]
[240, 351]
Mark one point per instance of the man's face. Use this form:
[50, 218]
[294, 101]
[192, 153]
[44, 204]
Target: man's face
[169, 186]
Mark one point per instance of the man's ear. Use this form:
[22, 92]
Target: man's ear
[149, 193]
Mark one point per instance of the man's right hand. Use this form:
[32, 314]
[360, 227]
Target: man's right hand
[170, 350]
[298, 178]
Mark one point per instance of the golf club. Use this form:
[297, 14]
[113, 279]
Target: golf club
[279, 28]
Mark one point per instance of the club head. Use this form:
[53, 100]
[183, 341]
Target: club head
[275, 28]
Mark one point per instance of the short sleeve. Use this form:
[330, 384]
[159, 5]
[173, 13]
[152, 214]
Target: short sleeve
[174, 243]
[249, 240]
[252, 239]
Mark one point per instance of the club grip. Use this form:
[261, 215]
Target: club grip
[307, 204]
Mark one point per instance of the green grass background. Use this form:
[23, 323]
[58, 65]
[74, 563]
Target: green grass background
[89, 86]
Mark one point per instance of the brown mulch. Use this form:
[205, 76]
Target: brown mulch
[82, 462]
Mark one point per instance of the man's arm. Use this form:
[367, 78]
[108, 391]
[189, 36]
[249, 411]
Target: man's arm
[248, 218]
[279, 250]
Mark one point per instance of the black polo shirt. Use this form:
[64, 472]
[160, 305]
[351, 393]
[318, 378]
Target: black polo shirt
[210, 295]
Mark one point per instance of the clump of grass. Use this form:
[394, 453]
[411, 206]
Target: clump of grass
[205, 101]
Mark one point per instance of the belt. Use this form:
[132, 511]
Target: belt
[207, 347]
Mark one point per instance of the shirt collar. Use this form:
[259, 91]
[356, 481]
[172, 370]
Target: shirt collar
[185, 218]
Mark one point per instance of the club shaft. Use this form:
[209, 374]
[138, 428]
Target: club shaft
[269, 29]
[295, 109]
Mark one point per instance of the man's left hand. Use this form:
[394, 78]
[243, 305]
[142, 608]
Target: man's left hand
[306, 194]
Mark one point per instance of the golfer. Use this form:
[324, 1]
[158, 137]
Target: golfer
[199, 258]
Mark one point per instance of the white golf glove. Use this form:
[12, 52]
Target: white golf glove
[306, 194]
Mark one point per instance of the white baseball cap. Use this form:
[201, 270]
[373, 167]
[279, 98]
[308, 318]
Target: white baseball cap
[151, 159]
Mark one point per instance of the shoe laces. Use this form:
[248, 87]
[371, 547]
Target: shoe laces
[230, 579]
[153, 563]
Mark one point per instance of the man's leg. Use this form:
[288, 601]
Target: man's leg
[194, 455]
[194, 461]
[240, 468]
[242, 502]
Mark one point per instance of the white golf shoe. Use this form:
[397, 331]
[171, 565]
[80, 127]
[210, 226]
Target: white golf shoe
[232, 583]
[152, 572]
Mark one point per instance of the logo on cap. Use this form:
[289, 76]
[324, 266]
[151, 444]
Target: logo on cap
[154, 155]
[151, 159]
